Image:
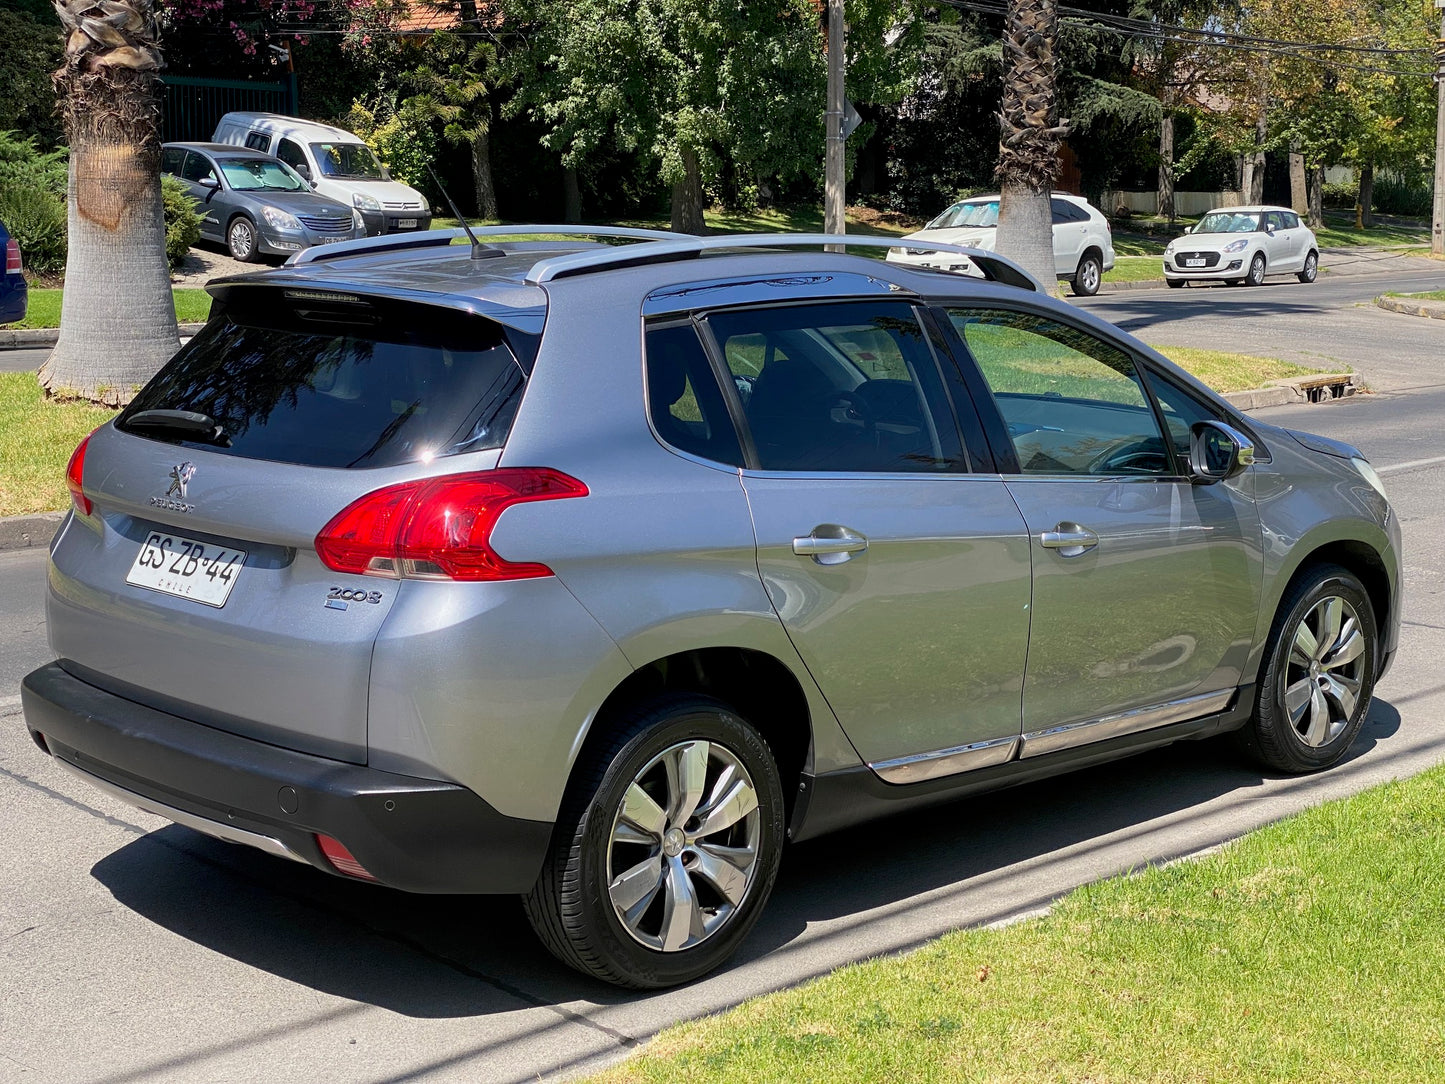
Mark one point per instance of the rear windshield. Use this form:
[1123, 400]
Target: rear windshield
[338, 386]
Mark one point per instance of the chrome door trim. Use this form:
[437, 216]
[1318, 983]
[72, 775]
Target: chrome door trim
[1054, 738]
[215, 829]
[959, 758]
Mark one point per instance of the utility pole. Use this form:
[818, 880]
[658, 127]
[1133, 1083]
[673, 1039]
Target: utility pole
[833, 163]
[1437, 219]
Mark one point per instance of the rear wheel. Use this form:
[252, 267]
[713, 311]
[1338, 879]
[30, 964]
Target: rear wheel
[1256, 271]
[1311, 269]
[1088, 275]
[241, 239]
[1315, 687]
[666, 849]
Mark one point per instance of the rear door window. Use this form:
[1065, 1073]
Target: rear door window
[845, 387]
[340, 385]
[171, 159]
[687, 407]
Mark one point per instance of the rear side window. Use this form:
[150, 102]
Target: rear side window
[687, 408]
[1064, 211]
[171, 158]
[341, 387]
[258, 141]
[197, 167]
[844, 387]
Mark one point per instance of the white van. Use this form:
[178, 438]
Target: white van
[336, 162]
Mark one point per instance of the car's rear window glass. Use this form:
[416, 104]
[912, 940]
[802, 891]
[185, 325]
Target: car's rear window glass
[338, 386]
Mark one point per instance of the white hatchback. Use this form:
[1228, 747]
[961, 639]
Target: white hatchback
[1083, 244]
[1243, 244]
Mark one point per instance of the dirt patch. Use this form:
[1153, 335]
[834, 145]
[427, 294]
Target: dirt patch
[202, 264]
[884, 220]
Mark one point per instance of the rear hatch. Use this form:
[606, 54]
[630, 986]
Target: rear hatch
[193, 584]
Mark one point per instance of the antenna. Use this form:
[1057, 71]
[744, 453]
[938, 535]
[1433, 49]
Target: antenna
[479, 250]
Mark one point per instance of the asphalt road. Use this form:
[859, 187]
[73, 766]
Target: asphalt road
[132, 950]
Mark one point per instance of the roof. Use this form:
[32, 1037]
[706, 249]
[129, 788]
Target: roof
[229, 150]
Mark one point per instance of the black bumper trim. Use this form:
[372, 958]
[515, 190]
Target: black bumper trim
[419, 835]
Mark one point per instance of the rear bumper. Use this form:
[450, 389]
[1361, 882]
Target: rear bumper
[419, 835]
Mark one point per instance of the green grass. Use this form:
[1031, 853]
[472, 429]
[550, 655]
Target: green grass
[192, 307]
[1432, 295]
[1339, 232]
[1308, 951]
[36, 439]
[1136, 269]
[1132, 244]
[1232, 372]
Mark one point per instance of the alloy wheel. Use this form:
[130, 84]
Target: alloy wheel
[242, 239]
[1324, 673]
[684, 846]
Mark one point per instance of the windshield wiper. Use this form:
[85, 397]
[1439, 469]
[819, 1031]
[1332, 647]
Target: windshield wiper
[188, 423]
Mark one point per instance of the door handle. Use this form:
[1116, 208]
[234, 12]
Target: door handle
[830, 544]
[1069, 539]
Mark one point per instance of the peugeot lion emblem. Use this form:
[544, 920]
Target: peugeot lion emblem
[181, 475]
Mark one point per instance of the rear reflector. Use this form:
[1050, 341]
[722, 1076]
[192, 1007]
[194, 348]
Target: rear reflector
[342, 860]
[12, 257]
[75, 476]
[439, 528]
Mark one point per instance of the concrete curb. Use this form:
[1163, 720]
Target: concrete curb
[24, 532]
[1410, 306]
[1314, 388]
[24, 338]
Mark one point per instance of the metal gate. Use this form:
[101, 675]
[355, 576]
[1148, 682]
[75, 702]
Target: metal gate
[193, 105]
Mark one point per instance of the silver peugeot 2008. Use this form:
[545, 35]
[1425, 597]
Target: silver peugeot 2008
[599, 574]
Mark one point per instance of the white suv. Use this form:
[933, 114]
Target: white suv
[1083, 245]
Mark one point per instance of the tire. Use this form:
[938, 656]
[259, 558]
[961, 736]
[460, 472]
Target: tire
[241, 239]
[1318, 676]
[674, 921]
[1175, 284]
[1311, 269]
[1087, 276]
[1256, 271]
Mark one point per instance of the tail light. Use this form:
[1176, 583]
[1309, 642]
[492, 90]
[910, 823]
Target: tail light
[12, 257]
[439, 528]
[342, 860]
[75, 476]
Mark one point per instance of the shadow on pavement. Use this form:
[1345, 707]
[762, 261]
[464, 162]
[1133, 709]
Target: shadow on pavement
[460, 956]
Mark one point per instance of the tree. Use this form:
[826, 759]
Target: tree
[118, 317]
[453, 85]
[1029, 135]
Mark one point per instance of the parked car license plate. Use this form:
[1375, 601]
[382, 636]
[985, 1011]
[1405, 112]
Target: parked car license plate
[330, 240]
[406, 223]
[180, 566]
[1193, 263]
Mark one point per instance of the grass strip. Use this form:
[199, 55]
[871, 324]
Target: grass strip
[1309, 950]
[1136, 269]
[1431, 295]
[1232, 372]
[192, 307]
[36, 439]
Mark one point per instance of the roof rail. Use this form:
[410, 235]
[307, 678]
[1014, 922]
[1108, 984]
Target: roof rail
[994, 267]
[399, 242]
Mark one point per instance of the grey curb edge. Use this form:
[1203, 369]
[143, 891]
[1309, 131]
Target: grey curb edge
[26, 532]
[1434, 310]
[27, 337]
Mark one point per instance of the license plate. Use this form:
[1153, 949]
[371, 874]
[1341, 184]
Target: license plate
[331, 240]
[180, 566]
[406, 223]
[1193, 263]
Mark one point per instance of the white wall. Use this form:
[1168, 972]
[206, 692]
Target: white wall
[1185, 203]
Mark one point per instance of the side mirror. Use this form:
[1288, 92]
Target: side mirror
[305, 171]
[1188, 229]
[1217, 452]
[209, 182]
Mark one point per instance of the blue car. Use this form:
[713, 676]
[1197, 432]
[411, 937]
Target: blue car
[13, 292]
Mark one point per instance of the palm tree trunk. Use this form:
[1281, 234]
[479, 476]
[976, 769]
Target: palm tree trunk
[687, 196]
[118, 317]
[1029, 136]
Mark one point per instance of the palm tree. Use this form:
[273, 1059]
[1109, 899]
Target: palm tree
[1029, 136]
[118, 318]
